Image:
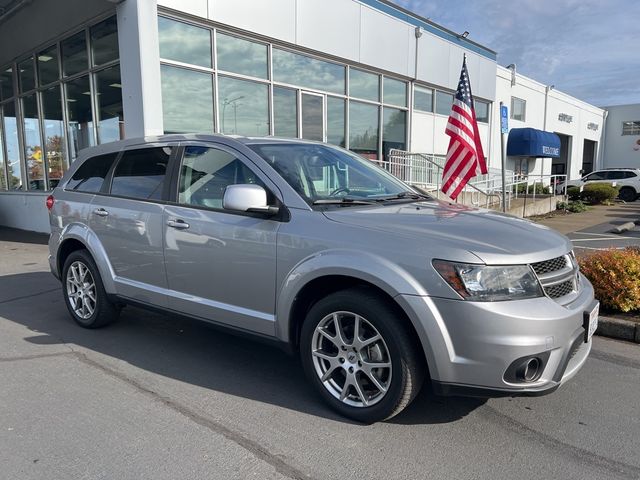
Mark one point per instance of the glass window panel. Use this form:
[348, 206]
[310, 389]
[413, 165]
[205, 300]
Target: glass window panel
[33, 153]
[13, 148]
[53, 135]
[244, 107]
[309, 72]
[364, 85]
[394, 91]
[6, 83]
[363, 129]
[104, 41]
[80, 128]
[140, 173]
[187, 100]
[285, 108]
[3, 173]
[184, 43]
[207, 172]
[394, 130]
[74, 54]
[482, 110]
[335, 121]
[423, 99]
[312, 117]
[27, 75]
[241, 56]
[48, 70]
[91, 174]
[518, 107]
[444, 101]
[110, 113]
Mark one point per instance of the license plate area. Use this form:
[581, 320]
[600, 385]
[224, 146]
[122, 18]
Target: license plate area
[590, 322]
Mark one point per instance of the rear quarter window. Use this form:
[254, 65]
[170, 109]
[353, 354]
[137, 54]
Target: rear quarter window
[141, 173]
[91, 174]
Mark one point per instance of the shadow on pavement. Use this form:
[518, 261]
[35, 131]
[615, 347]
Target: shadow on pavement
[194, 352]
[22, 236]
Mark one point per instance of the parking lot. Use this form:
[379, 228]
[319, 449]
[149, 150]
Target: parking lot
[159, 397]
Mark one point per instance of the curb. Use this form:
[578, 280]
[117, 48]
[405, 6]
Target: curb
[619, 329]
[625, 227]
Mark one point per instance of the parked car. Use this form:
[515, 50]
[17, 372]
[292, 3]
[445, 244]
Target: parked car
[628, 179]
[374, 285]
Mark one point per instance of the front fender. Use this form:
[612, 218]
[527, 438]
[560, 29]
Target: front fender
[89, 239]
[370, 268]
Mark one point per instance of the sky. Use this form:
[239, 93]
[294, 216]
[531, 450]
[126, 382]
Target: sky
[587, 48]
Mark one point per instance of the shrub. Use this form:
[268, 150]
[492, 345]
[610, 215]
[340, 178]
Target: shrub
[573, 193]
[598, 193]
[539, 189]
[574, 207]
[615, 276]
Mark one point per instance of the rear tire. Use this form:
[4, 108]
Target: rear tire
[84, 292]
[627, 194]
[369, 378]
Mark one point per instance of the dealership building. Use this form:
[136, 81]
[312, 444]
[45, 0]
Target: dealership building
[363, 74]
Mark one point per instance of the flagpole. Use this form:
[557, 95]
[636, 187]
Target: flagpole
[503, 162]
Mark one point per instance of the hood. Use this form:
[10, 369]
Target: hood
[494, 237]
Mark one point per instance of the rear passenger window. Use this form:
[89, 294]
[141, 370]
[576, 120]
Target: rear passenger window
[615, 175]
[91, 174]
[140, 173]
[207, 172]
[629, 175]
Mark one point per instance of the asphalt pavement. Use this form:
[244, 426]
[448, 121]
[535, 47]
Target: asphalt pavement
[157, 397]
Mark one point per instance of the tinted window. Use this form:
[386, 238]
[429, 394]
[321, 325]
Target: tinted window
[207, 172]
[140, 173]
[443, 102]
[91, 174]
[615, 175]
[242, 56]
[630, 175]
[184, 43]
[595, 176]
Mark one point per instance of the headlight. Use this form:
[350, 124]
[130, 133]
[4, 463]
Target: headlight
[483, 283]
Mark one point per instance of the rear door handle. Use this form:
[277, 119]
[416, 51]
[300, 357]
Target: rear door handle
[179, 224]
[101, 212]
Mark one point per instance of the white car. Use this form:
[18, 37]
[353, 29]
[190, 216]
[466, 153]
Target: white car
[627, 179]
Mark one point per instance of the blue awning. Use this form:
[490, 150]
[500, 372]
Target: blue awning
[529, 142]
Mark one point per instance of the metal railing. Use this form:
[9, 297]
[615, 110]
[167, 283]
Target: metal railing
[425, 172]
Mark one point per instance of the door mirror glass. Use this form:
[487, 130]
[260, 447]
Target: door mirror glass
[247, 198]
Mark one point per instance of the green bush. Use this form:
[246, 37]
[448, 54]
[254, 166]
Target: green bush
[615, 276]
[574, 206]
[539, 189]
[598, 193]
[573, 193]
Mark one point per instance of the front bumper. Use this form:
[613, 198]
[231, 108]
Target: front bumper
[470, 345]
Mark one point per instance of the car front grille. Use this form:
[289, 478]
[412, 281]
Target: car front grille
[548, 266]
[558, 277]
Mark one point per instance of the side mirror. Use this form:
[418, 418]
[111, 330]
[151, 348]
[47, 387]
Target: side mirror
[247, 198]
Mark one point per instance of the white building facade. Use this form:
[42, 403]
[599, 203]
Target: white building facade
[622, 137]
[363, 74]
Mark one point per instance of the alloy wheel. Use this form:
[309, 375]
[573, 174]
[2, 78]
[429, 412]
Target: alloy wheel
[351, 359]
[81, 290]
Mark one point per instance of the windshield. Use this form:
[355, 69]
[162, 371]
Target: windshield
[322, 173]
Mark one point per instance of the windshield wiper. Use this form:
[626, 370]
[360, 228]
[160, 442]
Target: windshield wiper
[342, 201]
[405, 195]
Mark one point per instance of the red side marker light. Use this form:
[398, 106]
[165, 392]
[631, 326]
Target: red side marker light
[50, 201]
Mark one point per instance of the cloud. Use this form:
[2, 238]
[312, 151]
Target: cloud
[586, 48]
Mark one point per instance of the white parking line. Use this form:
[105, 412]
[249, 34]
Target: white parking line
[601, 239]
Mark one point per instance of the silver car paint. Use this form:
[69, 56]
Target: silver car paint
[465, 343]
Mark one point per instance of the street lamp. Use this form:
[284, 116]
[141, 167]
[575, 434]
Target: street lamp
[226, 102]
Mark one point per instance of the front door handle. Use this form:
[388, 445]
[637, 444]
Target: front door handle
[179, 224]
[101, 212]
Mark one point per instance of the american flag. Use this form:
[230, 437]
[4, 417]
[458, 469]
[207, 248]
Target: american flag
[465, 158]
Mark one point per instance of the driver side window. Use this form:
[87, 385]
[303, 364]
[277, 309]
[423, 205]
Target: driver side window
[206, 172]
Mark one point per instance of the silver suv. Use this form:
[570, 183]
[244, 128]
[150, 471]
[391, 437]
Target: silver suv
[375, 285]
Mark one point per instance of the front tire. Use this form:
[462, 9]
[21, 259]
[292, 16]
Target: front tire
[360, 355]
[84, 292]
